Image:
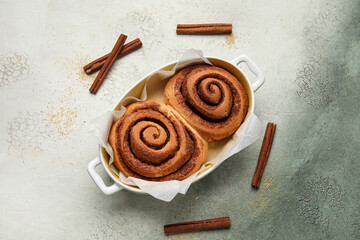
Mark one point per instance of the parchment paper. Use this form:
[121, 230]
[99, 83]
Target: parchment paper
[249, 131]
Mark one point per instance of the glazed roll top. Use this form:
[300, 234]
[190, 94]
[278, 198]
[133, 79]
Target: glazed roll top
[151, 141]
[210, 99]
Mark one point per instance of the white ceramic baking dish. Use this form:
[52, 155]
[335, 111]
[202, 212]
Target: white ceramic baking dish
[231, 66]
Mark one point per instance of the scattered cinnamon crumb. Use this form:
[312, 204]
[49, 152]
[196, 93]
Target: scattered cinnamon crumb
[230, 40]
[263, 195]
[63, 119]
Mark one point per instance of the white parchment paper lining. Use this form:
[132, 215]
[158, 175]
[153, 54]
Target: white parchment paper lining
[249, 131]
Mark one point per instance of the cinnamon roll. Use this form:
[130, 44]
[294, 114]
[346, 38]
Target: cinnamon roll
[210, 99]
[153, 142]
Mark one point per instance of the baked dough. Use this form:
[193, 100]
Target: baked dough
[209, 98]
[153, 142]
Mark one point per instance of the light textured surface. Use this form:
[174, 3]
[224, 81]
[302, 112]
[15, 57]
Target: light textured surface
[309, 52]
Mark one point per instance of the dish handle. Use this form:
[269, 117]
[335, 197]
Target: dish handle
[108, 190]
[260, 79]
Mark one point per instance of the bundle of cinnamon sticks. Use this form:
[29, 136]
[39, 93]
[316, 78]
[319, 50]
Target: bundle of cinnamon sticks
[105, 62]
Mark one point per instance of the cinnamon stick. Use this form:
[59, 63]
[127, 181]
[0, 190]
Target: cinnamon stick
[223, 222]
[209, 28]
[264, 154]
[98, 63]
[108, 64]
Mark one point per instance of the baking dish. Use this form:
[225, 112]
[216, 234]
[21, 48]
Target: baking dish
[136, 90]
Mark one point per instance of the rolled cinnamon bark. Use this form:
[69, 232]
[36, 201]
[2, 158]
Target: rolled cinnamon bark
[108, 64]
[98, 63]
[209, 28]
[264, 154]
[214, 223]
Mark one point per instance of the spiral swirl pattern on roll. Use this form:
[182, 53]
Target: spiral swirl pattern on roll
[210, 99]
[151, 141]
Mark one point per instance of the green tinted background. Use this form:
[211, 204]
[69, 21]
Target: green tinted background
[309, 52]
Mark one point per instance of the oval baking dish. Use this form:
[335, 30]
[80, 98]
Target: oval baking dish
[136, 90]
